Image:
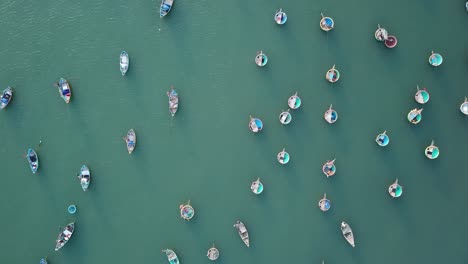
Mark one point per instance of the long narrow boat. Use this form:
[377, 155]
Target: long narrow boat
[33, 160]
[166, 6]
[173, 101]
[64, 236]
[171, 256]
[130, 140]
[6, 97]
[124, 62]
[84, 177]
[64, 89]
[243, 233]
[347, 233]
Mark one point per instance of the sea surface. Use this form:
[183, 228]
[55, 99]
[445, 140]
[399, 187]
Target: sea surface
[206, 153]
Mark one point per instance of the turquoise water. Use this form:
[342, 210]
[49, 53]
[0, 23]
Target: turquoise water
[206, 153]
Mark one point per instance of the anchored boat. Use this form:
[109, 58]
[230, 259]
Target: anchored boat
[421, 96]
[347, 233]
[243, 233]
[186, 211]
[285, 117]
[130, 140]
[330, 115]
[395, 190]
[414, 116]
[326, 23]
[43, 261]
[432, 151]
[435, 59]
[332, 75]
[283, 157]
[84, 177]
[6, 97]
[173, 101]
[280, 17]
[261, 59]
[213, 253]
[329, 168]
[382, 139]
[64, 236]
[324, 204]
[166, 6]
[255, 124]
[257, 186]
[381, 34]
[64, 90]
[464, 107]
[124, 61]
[33, 160]
[294, 102]
[391, 42]
[171, 256]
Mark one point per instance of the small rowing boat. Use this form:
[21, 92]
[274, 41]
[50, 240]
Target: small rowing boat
[330, 115]
[281, 17]
[283, 157]
[33, 160]
[130, 140]
[435, 59]
[332, 75]
[171, 256]
[255, 124]
[257, 186]
[213, 253]
[124, 62]
[415, 116]
[186, 211]
[421, 96]
[380, 34]
[84, 177]
[395, 190]
[294, 102]
[347, 233]
[6, 97]
[391, 42]
[64, 89]
[261, 59]
[64, 236]
[166, 6]
[464, 107]
[243, 233]
[324, 204]
[432, 151]
[285, 117]
[326, 23]
[173, 101]
[329, 168]
[382, 139]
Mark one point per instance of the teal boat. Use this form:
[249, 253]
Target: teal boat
[166, 6]
[84, 177]
[415, 116]
[432, 151]
[421, 96]
[6, 97]
[294, 102]
[395, 190]
[435, 59]
[261, 59]
[171, 256]
[33, 160]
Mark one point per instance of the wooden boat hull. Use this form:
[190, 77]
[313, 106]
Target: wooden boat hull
[243, 232]
[6, 97]
[33, 160]
[166, 6]
[124, 62]
[84, 177]
[130, 140]
[64, 90]
[64, 236]
[173, 101]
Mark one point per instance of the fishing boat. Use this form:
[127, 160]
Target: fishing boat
[326, 23]
[347, 233]
[130, 140]
[261, 59]
[171, 256]
[330, 115]
[43, 261]
[283, 157]
[466, 5]
[395, 190]
[294, 102]
[391, 42]
[64, 89]
[166, 6]
[324, 204]
[381, 34]
[257, 186]
[382, 139]
[255, 124]
[464, 107]
[435, 59]
[415, 116]
[285, 117]
[6, 97]
[186, 211]
[243, 233]
[64, 236]
[124, 62]
[280, 17]
[173, 101]
[84, 177]
[213, 253]
[432, 151]
[421, 96]
[332, 75]
[33, 160]
[329, 168]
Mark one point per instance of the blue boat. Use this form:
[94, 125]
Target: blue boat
[255, 124]
[326, 23]
[324, 204]
[7, 95]
[33, 160]
[382, 139]
[166, 6]
[43, 261]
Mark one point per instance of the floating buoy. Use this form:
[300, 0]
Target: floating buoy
[294, 102]
[324, 204]
[382, 139]
[72, 209]
[213, 253]
[432, 151]
[435, 59]
[283, 157]
[280, 17]
[414, 116]
[186, 211]
[422, 96]
[285, 117]
[391, 42]
[257, 186]
[326, 23]
[464, 107]
[261, 59]
[255, 124]
[332, 75]
[380, 34]
[330, 115]
[395, 190]
[329, 168]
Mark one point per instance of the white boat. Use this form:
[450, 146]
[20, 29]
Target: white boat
[213, 253]
[330, 115]
[332, 75]
[84, 177]
[257, 186]
[415, 116]
[280, 17]
[381, 34]
[165, 8]
[432, 151]
[255, 124]
[243, 233]
[464, 107]
[294, 102]
[395, 190]
[347, 233]
[124, 62]
[421, 96]
[285, 117]
[261, 59]
[6, 97]
[130, 140]
[283, 157]
[324, 204]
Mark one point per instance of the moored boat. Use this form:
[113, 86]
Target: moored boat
[432, 151]
[391, 42]
[71, 209]
[43, 261]
[6, 97]
[280, 17]
[261, 59]
[173, 101]
[64, 236]
[285, 117]
[324, 204]
[415, 116]
[124, 62]
[347, 233]
[130, 140]
[395, 190]
[64, 89]
[33, 160]
[255, 124]
[243, 233]
[257, 186]
[464, 107]
[186, 211]
[213, 253]
[382, 139]
[330, 115]
[165, 8]
[332, 75]
[381, 34]
[326, 23]
[435, 59]
[171, 256]
[84, 177]
[421, 96]
[294, 102]
[329, 168]
[283, 157]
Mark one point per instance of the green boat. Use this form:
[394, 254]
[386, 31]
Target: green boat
[171, 256]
